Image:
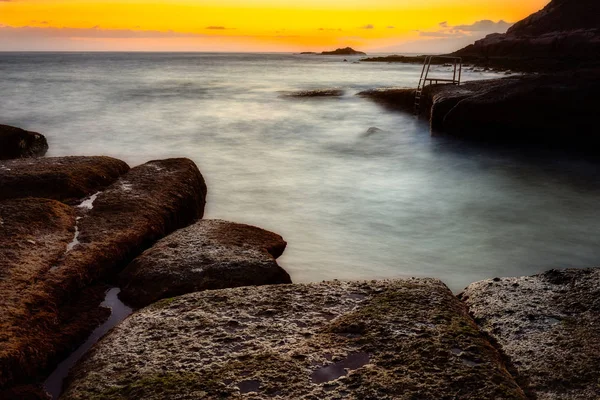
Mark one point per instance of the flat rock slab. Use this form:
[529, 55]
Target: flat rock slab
[405, 339]
[19, 143]
[315, 93]
[211, 254]
[112, 228]
[549, 327]
[60, 178]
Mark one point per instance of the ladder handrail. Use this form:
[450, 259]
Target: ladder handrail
[425, 76]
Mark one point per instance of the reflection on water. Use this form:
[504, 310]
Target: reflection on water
[392, 203]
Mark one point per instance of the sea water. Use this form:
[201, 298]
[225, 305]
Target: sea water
[396, 203]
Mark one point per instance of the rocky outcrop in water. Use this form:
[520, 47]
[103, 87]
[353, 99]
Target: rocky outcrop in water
[315, 93]
[548, 325]
[546, 110]
[367, 340]
[61, 178]
[211, 254]
[564, 35]
[346, 51]
[56, 262]
[19, 143]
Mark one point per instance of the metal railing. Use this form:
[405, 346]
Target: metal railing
[424, 78]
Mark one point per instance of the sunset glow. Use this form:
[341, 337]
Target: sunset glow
[247, 25]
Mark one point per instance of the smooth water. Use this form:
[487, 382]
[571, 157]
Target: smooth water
[393, 204]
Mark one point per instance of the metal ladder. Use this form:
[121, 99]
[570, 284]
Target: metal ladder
[424, 78]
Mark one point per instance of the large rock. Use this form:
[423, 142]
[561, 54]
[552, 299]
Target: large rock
[41, 318]
[19, 143]
[554, 110]
[565, 34]
[61, 178]
[211, 254]
[406, 339]
[549, 327]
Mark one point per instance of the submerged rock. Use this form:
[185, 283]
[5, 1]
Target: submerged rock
[549, 327]
[211, 254]
[19, 143]
[59, 178]
[315, 93]
[41, 318]
[353, 340]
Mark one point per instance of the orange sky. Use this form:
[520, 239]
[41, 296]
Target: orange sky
[251, 25]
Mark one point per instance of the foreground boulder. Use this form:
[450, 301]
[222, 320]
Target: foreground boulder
[211, 254]
[549, 327]
[409, 339]
[59, 178]
[113, 227]
[19, 143]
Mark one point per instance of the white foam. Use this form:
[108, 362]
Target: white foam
[88, 203]
[75, 240]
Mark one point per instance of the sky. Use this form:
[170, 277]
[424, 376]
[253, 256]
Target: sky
[409, 26]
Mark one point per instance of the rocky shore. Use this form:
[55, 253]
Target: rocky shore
[543, 110]
[223, 320]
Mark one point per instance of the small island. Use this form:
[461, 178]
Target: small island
[348, 51]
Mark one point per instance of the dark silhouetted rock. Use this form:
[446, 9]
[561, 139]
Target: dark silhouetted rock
[211, 254]
[405, 339]
[565, 34]
[59, 178]
[549, 327]
[40, 318]
[372, 131]
[316, 93]
[347, 51]
[19, 143]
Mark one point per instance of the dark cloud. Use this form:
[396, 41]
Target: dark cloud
[217, 28]
[391, 27]
[368, 26]
[443, 24]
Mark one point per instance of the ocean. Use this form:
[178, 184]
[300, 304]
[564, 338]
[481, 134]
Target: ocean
[396, 203]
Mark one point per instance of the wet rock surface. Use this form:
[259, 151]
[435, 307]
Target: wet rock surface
[402, 339]
[19, 143]
[549, 327]
[60, 178]
[45, 319]
[211, 254]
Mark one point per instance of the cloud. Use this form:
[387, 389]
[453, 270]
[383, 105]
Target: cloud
[475, 30]
[485, 25]
[391, 27]
[218, 28]
[368, 26]
[95, 32]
